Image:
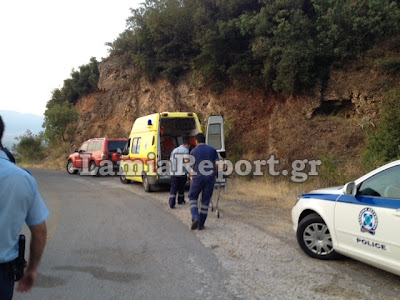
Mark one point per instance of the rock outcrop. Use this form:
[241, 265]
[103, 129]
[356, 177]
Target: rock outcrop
[257, 124]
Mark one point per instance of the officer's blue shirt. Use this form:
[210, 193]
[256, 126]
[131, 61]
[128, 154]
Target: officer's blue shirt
[20, 202]
[207, 153]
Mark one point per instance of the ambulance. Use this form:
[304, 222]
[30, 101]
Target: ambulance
[146, 156]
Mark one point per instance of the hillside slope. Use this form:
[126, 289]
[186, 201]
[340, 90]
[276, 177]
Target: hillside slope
[330, 121]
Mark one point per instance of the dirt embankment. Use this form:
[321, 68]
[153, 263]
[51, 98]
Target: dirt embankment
[257, 124]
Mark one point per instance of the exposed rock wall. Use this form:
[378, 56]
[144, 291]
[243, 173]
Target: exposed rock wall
[258, 124]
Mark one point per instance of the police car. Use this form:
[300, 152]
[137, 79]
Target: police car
[360, 219]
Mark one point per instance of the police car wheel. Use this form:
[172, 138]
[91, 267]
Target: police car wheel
[315, 238]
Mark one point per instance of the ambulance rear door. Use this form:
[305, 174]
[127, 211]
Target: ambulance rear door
[215, 134]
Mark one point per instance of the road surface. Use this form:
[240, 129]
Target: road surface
[105, 242]
[113, 241]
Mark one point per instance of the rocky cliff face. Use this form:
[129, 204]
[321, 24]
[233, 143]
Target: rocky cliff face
[257, 124]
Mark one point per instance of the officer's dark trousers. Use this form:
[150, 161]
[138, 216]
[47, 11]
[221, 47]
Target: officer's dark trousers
[6, 285]
[204, 185]
[177, 186]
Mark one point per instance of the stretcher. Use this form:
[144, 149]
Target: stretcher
[220, 183]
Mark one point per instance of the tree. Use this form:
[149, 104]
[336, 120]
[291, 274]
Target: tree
[81, 83]
[58, 121]
[29, 148]
[347, 28]
[283, 45]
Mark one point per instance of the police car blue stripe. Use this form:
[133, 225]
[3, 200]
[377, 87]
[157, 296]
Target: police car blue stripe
[327, 197]
[371, 201]
[359, 200]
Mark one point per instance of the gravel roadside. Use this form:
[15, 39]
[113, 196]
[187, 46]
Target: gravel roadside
[256, 246]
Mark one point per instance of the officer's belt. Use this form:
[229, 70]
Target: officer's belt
[6, 266]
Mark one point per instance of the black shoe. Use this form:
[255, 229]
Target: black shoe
[201, 227]
[182, 202]
[171, 202]
[195, 224]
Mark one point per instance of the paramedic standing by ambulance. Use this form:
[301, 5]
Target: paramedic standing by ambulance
[20, 202]
[203, 178]
[179, 157]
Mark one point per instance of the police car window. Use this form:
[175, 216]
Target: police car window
[384, 184]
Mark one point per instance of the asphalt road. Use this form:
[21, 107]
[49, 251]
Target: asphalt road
[105, 242]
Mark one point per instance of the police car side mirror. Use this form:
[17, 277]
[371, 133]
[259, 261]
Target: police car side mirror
[350, 188]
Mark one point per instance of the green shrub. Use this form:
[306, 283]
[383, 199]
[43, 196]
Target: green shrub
[331, 171]
[58, 122]
[30, 148]
[382, 142]
[390, 65]
[81, 83]
[283, 45]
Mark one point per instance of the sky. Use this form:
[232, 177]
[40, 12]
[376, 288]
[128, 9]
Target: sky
[42, 41]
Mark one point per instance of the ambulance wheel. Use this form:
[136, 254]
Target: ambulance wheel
[146, 184]
[315, 238]
[123, 179]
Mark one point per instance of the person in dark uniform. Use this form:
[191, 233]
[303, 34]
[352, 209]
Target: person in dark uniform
[203, 178]
[179, 156]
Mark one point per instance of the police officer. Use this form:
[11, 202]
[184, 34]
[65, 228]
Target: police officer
[8, 153]
[20, 202]
[203, 178]
[179, 156]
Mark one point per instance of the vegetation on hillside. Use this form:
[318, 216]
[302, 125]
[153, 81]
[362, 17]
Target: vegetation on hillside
[30, 148]
[283, 45]
[383, 143]
[61, 113]
[59, 117]
[81, 83]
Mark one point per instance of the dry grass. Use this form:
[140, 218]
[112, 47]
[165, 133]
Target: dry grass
[266, 192]
[55, 164]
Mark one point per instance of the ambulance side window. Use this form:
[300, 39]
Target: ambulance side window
[125, 151]
[135, 146]
[138, 145]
